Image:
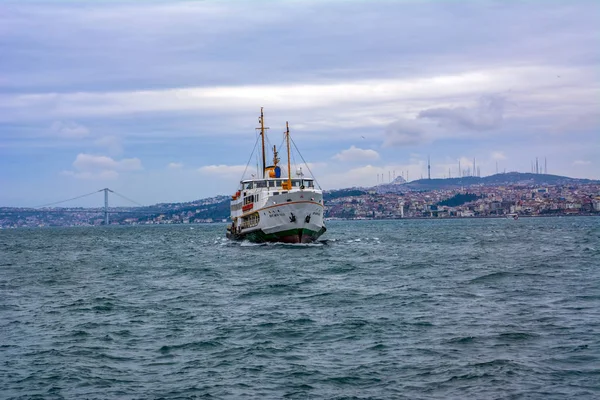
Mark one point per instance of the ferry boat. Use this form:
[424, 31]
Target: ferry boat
[273, 207]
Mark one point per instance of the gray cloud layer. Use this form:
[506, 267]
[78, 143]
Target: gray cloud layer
[487, 115]
[180, 82]
[404, 132]
[112, 45]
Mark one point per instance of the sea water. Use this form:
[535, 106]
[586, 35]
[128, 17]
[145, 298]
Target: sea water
[403, 309]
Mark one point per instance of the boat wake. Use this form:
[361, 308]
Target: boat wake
[318, 243]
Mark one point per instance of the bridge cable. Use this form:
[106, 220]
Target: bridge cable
[64, 201]
[133, 201]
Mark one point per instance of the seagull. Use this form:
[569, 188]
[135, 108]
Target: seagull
[362, 137]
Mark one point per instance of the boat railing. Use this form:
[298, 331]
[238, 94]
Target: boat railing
[278, 184]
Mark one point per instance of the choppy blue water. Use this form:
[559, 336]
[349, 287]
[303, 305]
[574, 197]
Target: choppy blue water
[411, 309]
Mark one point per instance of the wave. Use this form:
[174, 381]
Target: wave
[496, 276]
[204, 344]
[462, 339]
[517, 336]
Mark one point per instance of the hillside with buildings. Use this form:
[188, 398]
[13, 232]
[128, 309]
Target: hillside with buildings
[492, 196]
[504, 179]
[471, 201]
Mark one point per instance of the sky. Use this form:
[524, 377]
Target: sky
[159, 101]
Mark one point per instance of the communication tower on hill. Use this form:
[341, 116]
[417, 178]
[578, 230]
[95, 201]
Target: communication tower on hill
[428, 168]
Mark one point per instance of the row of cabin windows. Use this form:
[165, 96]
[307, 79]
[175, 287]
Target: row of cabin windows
[247, 200]
[250, 199]
[277, 183]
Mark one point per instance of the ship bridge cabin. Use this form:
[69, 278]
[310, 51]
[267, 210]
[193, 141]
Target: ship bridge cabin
[277, 184]
[250, 189]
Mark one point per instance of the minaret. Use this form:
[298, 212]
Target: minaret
[545, 166]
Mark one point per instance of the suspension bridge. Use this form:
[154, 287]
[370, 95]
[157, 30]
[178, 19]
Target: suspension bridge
[44, 208]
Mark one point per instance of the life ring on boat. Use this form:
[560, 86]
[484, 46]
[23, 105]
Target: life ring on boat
[301, 186]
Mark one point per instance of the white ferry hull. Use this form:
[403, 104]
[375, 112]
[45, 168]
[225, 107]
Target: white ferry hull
[299, 220]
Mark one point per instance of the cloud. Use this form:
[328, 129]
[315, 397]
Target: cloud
[93, 175]
[224, 170]
[404, 132]
[89, 162]
[333, 82]
[441, 100]
[89, 166]
[155, 35]
[488, 114]
[112, 143]
[350, 96]
[233, 173]
[175, 165]
[579, 122]
[581, 162]
[498, 155]
[370, 175]
[356, 154]
[69, 130]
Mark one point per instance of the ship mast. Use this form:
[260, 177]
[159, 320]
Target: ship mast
[287, 139]
[262, 135]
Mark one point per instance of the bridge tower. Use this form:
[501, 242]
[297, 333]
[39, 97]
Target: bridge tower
[106, 190]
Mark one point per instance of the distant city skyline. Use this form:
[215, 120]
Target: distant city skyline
[159, 100]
